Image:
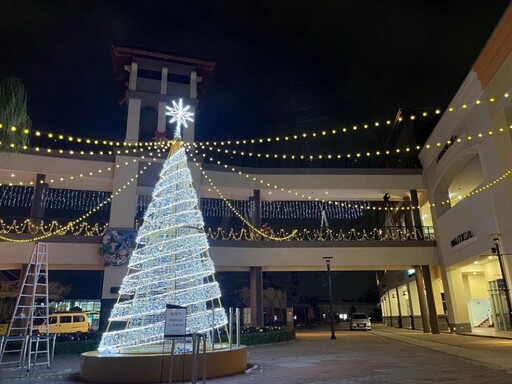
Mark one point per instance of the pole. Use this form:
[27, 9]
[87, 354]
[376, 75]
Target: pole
[507, 292]
[328, 262]
[237, 319]
[230, 327]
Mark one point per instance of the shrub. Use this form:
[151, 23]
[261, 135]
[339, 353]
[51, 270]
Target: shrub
[75, 347]
[265, 335]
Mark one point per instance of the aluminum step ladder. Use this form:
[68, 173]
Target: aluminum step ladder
[28, 338]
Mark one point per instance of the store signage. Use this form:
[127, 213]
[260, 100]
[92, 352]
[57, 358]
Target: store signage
[461, 238]
[175, 321]
[448, 144]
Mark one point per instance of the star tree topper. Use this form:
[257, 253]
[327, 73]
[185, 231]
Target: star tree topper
[180, 115]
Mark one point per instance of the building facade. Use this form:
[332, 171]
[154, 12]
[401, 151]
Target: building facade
[359, 229]
[466, 168]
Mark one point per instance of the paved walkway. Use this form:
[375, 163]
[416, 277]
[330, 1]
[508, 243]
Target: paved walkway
[493, 351]
[384, 355]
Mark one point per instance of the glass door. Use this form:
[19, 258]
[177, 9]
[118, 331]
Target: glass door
[499, 306]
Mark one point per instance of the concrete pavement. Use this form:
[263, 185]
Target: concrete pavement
[493, 352]
[384, 355]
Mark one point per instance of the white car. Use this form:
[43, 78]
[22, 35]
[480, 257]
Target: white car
[360, 321]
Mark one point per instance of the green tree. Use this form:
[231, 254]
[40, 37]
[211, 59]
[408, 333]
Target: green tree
[15, 123]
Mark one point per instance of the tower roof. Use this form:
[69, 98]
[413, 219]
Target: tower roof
[122, 56]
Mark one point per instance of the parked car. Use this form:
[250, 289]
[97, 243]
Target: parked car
[67, 325]
[360, 321]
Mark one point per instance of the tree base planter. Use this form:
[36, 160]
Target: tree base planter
[154, 368]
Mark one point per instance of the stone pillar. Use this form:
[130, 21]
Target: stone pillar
[133, 120]
[134, 105]
[434, 324]
[188, 134]
[390, 310]
[411, 308]
[460, 322]
[124, 205]
[163, 81]
[39, 201]
[399, 307]
[256, 288]
[122, 215]
[194, 79]
[409, 222]
[383, 309]
[416, 214]
[256, 217]
[160, 126]
[422, 299]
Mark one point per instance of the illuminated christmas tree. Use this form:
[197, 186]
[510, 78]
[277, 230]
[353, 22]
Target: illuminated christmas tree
[170, 265]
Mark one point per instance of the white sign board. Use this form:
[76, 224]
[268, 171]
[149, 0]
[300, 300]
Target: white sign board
[175, 321]
[247, 316]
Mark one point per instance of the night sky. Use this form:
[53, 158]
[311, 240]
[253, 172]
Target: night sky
[283, 66]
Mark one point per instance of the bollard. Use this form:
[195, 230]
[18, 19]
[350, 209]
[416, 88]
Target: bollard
[237, 316]
[230, 328]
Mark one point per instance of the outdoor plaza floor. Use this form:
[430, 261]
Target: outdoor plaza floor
[384, 355]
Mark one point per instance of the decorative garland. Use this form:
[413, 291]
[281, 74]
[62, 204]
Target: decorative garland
[243, 234]
[28, 226]
[377, 234]
[285, 209]
[16, 196]
[69, 199]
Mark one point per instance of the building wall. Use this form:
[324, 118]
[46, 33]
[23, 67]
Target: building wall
[470, 165]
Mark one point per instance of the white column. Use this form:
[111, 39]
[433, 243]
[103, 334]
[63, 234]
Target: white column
[133, 120]
[459, 301]
[188, 133]
[193, 85]
[161, 116]
[163, 81]
[124, 205]
[122, 214]
[132, 82]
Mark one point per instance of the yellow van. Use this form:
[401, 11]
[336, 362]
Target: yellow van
[73, 325]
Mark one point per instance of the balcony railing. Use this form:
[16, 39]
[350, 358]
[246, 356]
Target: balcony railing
[26, 226]
[377, 234]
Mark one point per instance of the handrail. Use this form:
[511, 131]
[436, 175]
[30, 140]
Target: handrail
[385, 233]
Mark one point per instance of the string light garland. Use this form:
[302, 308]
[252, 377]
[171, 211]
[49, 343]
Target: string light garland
[170, 265]
[140, 152]
[294, 209]
[379, 208]
[64, 229]
[71, 226]
[309, 157]
[40, 226]
[184, 110]
[81, 140]
[68, 199]
[356, 127]
[255, 230]
[289, 191]
[304, 235]
[211, 146]
[97, 173]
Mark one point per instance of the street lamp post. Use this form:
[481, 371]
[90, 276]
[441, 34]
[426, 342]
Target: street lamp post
[328, 262]
[496, 250]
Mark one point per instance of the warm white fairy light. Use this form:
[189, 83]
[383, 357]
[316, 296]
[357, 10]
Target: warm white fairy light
[171, 265]
[180, 115]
